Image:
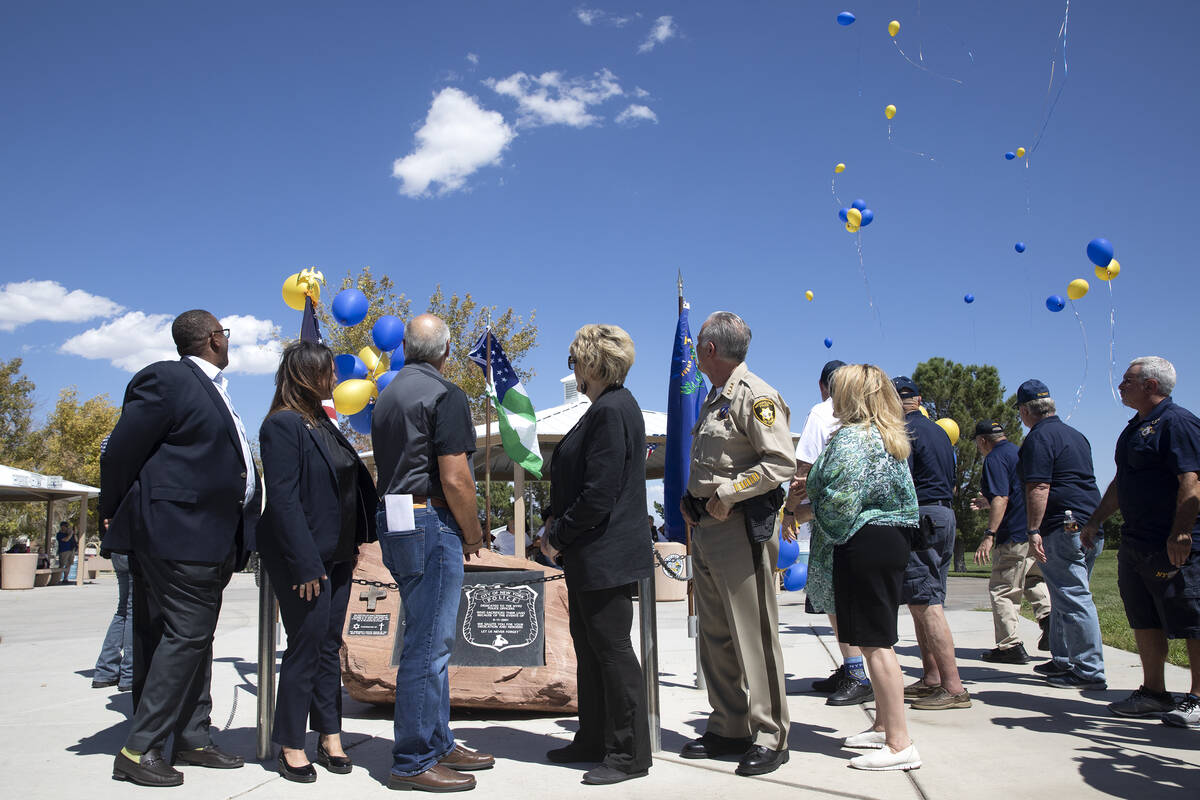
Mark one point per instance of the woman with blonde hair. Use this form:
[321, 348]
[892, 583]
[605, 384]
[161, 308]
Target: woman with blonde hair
[597, 527]
[864, 508]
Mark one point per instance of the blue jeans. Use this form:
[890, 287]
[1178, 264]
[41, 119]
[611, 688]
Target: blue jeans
[1074, 626]
[427, 565]
[116, 654]
[1090, 556]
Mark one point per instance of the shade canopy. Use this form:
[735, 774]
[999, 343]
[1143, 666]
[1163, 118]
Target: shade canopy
[19, 486]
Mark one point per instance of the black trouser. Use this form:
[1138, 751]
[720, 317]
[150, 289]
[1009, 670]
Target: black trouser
[310, 676]
[612, 713]
[175, 611]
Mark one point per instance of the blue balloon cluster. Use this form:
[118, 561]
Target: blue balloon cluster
[828, 342]
[350, 307]
[1010, 155]
[868, 216]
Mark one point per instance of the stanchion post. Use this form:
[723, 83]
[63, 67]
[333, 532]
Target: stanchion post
[266, 664]
[693, 622]
[648, 624]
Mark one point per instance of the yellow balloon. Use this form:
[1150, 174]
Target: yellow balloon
[808, 295]
[923, 411]
[850, 226]
[840, 168]
[1020, 152]
[293, 292]
[1111, 271]
[889, 112]
[1077, 288]
[351, 396]
[855, 216]
[893, 27]
[950, 427]
[377, 363]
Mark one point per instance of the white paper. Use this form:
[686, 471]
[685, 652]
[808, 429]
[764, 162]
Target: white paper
[399, 512]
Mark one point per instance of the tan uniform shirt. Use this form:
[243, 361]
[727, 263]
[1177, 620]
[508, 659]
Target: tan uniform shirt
[741, 445]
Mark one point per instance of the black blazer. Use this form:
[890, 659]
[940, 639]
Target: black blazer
[173, 477]
[598, 495]
[303, 519]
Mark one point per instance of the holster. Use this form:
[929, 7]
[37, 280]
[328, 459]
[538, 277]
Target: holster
[759, 513]
[923, 535]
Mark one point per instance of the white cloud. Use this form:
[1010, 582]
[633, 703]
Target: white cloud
[458, 138]
[473, 58]
[664, 28]
[551, 99]
[49, 301]
[636, 113]
[639, 92]
[592, 16]
[135, 339]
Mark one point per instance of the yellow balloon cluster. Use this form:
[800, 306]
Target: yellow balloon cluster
[808, 295]
[840, 168]
[351, 396]
[950, 427]
[853, 220]
[1077, 288]
[305, 283]
[893, 28]
[1111, 271]
[889, 111]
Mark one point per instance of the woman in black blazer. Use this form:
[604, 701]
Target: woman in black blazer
[598, 529]
[320, 506]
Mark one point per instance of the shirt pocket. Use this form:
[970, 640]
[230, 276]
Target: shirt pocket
[174, 494]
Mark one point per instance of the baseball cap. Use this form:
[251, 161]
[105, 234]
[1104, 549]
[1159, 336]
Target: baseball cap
[1031, 389]
[987, 426]
[829, 368]
[905, 386]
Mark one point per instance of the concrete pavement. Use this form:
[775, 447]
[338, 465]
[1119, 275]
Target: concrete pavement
[1021, 737]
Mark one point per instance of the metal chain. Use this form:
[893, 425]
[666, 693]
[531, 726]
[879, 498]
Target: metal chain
[677, 571]
[545, 579]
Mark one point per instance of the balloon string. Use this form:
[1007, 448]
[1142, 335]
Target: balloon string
[892, 142]
[833, 190]
[922, 67]
[1083, 380]
[862, 270]
[1062, 36]
[1112, 343]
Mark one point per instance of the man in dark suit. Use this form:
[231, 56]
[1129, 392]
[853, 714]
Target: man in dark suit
[180, 491]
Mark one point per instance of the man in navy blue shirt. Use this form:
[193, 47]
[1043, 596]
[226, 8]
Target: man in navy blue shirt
[932, 464]
[1014, 571]
[1060, 495]
[1158, 563]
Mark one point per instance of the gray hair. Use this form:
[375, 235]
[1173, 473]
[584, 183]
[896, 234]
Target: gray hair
[1155, 368]
[1041, 407]
[729, 334]
[425, 339]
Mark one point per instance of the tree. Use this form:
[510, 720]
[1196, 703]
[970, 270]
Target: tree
[16, 414]
[967, 393]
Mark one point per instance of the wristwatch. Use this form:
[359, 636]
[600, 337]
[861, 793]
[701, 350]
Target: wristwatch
[1033, 532]
[989, 533]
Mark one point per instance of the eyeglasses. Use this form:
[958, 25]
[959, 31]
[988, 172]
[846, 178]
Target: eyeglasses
[571, 362]
[223, 331]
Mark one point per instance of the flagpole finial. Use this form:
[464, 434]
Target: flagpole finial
[679, 282]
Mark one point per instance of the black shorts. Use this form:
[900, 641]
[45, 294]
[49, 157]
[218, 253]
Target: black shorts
[868, 581]
[1170, 604]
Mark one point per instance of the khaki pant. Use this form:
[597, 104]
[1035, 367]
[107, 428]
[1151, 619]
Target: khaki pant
[1015, 573]
[739, 632]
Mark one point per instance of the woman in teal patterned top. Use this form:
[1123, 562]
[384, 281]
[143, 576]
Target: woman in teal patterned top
[864, 509]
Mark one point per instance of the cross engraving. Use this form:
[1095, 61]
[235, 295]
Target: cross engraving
[372, 595]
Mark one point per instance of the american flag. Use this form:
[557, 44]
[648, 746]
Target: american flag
[650, 448]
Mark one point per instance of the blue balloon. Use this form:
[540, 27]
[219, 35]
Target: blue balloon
[860, 204]
[383, 380]
[1100, 252]
[349, 366]
[968, 298]
[388, 333]
[828, 342]
[868, 216]
[795, 577]
[1055, 303]
[1010, 155]
[361, 421]
[789, 551]
[845, 18]
[350, 307]
[843, 214]
[1019, 247]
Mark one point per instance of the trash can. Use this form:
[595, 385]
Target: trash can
[17, 570]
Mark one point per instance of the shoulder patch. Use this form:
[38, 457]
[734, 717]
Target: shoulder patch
[764, 411]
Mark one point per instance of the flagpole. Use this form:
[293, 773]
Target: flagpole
[487, 440]
[693, 623]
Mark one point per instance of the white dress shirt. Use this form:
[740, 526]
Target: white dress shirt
[221, 382]
[819, 428]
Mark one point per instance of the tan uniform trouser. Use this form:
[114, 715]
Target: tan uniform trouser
[1015, 572]
[739, 632]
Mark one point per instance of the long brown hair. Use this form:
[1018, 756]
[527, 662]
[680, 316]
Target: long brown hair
[302, 380]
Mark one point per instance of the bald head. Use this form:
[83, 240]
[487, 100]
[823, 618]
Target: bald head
[426, 340]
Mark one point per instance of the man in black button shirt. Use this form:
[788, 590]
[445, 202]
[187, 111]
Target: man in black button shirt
[1158, 563]
[424, 440]
[1056, 467]
[932, 464]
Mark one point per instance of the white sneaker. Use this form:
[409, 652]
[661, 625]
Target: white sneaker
[885, 759]
[867, 740]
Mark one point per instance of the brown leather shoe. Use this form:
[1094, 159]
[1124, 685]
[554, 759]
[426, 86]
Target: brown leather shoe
[461, 758]
[435, 779]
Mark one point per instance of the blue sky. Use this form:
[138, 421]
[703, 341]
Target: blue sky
[570, 158]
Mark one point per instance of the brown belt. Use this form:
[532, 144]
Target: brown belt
[420, 501]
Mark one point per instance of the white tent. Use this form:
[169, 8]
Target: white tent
[23, 486]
